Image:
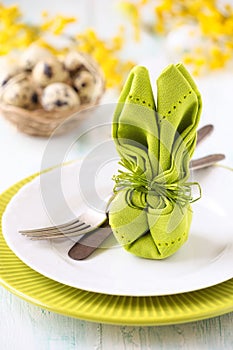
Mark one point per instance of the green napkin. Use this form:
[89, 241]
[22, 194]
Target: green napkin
[150, 213]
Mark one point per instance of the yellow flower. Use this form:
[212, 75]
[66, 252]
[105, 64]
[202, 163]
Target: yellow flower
[132, 11]
[56, 24]
[214, 23]
[16, 35]
[106, 54]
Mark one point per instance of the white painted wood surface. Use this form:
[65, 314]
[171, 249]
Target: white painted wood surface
[24, 326]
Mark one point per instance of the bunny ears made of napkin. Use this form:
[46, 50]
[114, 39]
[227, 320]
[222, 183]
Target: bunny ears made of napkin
[150, 213]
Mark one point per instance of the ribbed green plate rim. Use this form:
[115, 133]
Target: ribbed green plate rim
[31, 286]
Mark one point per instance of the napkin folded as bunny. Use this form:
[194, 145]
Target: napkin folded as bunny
[150, 213]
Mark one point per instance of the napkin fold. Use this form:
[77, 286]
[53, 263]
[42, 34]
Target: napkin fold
[150, 213]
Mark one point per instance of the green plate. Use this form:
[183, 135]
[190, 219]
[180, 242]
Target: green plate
[155, 310]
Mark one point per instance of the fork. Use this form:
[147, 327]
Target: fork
[84, 223]
[91, 220]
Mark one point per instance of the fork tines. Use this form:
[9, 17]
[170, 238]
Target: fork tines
[70, 228]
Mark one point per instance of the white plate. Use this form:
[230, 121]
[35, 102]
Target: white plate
[206, 259]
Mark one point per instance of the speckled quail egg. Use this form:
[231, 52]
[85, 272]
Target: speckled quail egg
[74, 61]
[84, 84]
[32, 55]
[49, 71]
[8, 68]
[58, 97]
[20, 92]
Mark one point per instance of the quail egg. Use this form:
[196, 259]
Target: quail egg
[33, 55]
[84, 84]
[20, 92]
[74, 61]
[8, 68]
[59, 97]
[49, 71]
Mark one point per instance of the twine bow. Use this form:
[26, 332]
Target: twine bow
[178, 192]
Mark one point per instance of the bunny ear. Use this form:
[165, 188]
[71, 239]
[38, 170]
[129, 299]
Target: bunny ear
[179, 107]
[187, 132]
[137, 89]
[135, 129]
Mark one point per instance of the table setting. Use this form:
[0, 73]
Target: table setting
[155, 284]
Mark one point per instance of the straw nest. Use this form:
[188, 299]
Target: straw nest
[38, 120]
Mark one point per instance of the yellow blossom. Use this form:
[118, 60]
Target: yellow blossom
[17, 35]
[215, 24]
[132, 12]
[56, 24]
[13, 32]
[106, 54]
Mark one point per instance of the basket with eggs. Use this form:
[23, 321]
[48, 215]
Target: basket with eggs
[40, 91]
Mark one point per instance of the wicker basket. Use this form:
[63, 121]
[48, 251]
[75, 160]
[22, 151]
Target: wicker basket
[40, 122]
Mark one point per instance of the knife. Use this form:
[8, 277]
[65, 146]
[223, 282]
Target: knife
[90, 242]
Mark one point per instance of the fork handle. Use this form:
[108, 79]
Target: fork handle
[90, 242]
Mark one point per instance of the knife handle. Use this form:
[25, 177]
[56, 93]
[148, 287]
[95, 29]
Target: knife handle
[90, 242]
